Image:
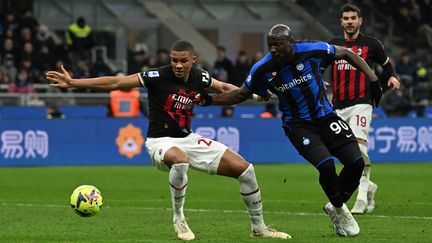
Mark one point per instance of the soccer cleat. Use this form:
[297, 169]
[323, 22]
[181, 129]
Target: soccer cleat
[330, 210]
[372, 189]
[359, 207]
[270, 233]
[183, 231]
[347, 221]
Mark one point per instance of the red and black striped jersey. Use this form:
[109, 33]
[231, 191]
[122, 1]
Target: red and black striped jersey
[171, 100]
[351, 86]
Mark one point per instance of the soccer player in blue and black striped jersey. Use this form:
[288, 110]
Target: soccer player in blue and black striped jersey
[291, 71]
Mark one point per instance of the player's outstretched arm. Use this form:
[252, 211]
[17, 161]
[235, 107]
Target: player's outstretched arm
[220, 87]
[356, 61]
[232, 97]
[359, 63]
[64, 80]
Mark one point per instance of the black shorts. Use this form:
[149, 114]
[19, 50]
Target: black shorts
[330, 131]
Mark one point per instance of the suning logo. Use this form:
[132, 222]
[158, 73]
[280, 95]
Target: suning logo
[294, 82]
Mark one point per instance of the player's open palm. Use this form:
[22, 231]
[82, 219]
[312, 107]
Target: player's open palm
[60, 80]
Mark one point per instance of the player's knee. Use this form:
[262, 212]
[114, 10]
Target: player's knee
[357, 164]
[364, 153]
[175, 155]
[326, 166]
[248, 173]
[248, 183]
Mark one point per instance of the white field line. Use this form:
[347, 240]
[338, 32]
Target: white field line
[220, 211]
[238, 200]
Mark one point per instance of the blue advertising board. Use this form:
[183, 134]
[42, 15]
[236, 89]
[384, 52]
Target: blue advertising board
[121, 141]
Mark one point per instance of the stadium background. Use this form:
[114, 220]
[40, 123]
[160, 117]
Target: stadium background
[132, 35]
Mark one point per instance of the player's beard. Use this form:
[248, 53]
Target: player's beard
[353, 30]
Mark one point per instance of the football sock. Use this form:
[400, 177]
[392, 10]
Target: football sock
[364, 180]
[252, 197]
[329, 181]
[349, 177]
[178, 181]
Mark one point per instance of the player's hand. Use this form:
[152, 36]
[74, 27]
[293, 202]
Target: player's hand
[203, 99]
[393, 83]
[376, 92]
[60, 80]
[260, 98]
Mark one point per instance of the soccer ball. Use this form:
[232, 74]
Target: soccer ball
[86, 201]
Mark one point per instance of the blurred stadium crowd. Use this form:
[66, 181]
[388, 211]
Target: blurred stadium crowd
[28, 49]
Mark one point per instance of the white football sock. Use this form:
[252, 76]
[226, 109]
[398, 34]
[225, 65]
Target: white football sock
[364, 180]
[178, 181]
[252, 197]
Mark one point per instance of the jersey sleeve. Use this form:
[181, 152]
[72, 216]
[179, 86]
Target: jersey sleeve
[148, 78]
[204, 78]
[379, 56]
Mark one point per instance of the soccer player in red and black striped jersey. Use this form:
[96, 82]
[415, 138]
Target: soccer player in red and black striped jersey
[351, 92]
[173, 90]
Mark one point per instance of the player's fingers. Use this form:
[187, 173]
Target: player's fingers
[63, 69]
[52, 73]
[55, 80]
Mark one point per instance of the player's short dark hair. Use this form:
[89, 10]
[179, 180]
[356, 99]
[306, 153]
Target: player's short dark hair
[182, 45]
[350, 8]
[280, 31]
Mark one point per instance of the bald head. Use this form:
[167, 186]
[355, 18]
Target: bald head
[280, 31]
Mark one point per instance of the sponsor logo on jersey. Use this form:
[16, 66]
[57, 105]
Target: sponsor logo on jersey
[182, 102]
[152, 74]
[344, 65]
[295, 82]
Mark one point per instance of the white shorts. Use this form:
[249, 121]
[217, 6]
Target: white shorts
[204, 154]
[359, 118]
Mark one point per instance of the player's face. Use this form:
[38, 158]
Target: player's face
[181, 63]
[280, 49]
[351, 22]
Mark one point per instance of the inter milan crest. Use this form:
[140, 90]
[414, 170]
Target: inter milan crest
[300, 66]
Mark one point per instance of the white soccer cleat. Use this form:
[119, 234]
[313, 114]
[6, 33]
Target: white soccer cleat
[372, 189]
[330, 210]
[183, 231]
[347, 221]
[270, 233]
[359, 207]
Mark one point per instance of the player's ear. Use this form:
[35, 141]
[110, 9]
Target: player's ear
[194, 59]
[360, 21]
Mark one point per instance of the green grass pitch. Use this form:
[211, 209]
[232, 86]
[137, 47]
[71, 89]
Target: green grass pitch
[35, 207]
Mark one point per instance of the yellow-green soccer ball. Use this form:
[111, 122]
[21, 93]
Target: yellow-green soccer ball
[86, 201]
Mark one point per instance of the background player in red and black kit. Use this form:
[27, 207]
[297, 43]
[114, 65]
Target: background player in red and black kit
[173, 91]
[351, 94]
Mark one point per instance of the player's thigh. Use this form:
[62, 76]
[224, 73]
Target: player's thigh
[232, 164]
[165, 151]
[309, 144]
[204, 154]
[336, 132]
[359, 118]
[347, 153]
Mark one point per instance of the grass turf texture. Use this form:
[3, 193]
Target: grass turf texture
[35, 205]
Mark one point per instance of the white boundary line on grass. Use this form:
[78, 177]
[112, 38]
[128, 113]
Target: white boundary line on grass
[221, 211]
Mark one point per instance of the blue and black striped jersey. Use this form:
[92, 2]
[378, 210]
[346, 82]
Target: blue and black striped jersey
[298, 84]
